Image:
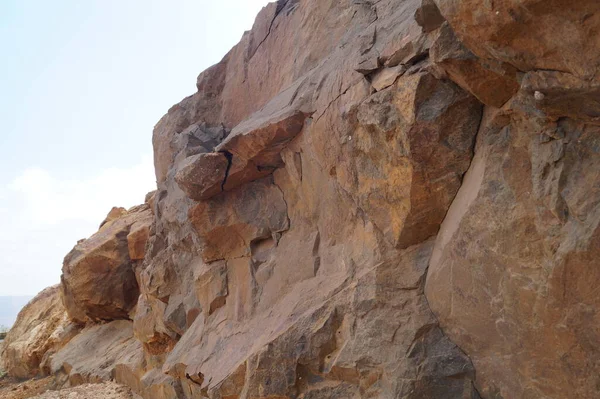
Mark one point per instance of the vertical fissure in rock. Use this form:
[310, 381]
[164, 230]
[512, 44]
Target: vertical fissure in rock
[287, 213]
[229, 157]
[280, 6]
[424, 278]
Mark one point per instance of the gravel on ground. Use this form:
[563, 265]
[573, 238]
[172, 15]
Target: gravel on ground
[40, 389]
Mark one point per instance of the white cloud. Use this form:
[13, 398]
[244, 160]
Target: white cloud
[42, 216]
[50, 200]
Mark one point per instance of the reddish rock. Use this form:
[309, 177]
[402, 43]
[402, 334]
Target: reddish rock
[98, 281]
[338, 216]
[491, 81]
[558, 35]
[228, 225]
[100, 353]
[428, 16]
[115, 213]
[512, 276]
[203, 176]
[137, 238]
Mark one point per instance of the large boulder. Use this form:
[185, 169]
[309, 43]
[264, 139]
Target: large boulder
[41, 329]
[560, 35]
[513, 278]
[99, 281]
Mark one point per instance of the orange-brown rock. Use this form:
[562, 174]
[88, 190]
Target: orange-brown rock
[229, 225]
[363, 199]
[100, 353]
[513, 276]
[491, 81]
[139, 232]
[98, 281]
[298, 270]
[559, 35]
[115, 213]
[42, 328]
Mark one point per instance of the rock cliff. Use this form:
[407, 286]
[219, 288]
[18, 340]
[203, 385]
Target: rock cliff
[363, 199]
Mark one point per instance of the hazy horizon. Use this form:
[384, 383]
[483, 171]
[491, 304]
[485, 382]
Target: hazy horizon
[85, 84]
[10, 307]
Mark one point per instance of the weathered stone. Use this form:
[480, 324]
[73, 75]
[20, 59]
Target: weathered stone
[115, 213]
[492, 82]
[556, 35]
[367, 65]
[312, 205]
[402, 144]
[149, 325]
[387, 77]
[211, 287]
[229, 224]
[202, 176]
[41, 329]
[137, 239]
[98, 281]
[513, 275]
[95, 354]
[428, 16]
[559, 95]
[281, 264]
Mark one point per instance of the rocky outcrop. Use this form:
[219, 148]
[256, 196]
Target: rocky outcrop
[512, 277]
[98, 281]
[100, 353]
[554, 35]
[363, 199]
[42, 328]
[289, 261]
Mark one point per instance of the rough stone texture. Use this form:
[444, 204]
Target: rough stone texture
[290, 260]
[100, 353]
[41, 329]
[559, 35]
[364, 199]
[492, 82]
[107, 390]
[513, 277]
[98, 281]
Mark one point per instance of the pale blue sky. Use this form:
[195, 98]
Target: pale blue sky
[82, 85]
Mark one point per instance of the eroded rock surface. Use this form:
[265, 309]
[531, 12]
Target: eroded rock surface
[555, 35]
[513, 277]
[41, 329]
[363, 199]
[98, 281]
[100, 353]
[290, 260]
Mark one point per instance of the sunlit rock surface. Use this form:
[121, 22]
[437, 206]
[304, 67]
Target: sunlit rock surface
[363, 199]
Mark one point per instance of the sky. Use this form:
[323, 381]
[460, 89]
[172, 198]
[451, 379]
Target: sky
[82, 84]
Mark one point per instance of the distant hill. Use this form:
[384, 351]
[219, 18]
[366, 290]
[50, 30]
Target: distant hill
[10, 307]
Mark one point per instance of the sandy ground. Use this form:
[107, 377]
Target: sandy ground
[107, 390]
[39, 389]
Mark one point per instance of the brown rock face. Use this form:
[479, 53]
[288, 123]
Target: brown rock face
[41, 329]
[364, 199]
[290, 261]
[513, 276]
[492, 82]
[100, 353]
[98, 281]
[556, 35]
